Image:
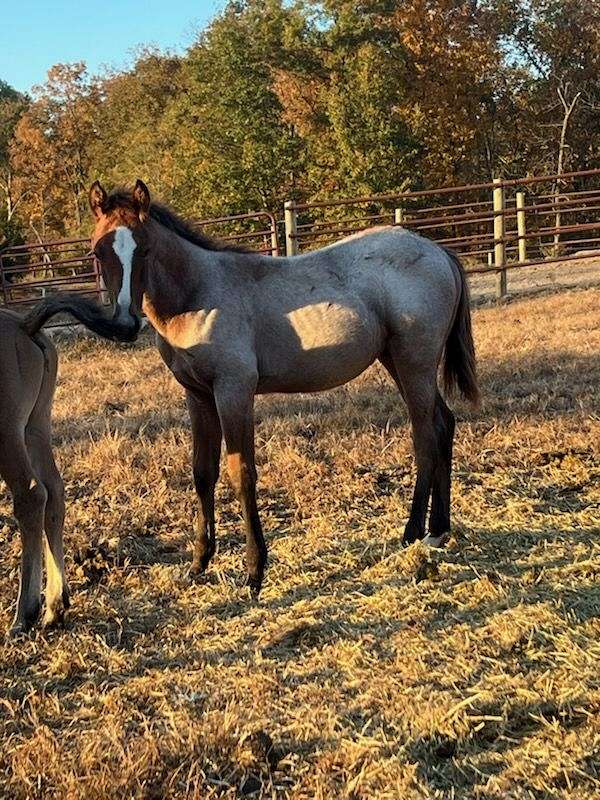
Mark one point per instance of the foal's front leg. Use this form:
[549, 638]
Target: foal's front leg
[235, 403]
[206, 434]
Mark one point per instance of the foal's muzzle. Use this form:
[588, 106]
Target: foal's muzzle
[125, 328]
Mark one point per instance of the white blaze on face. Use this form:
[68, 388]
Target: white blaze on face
[124, 246]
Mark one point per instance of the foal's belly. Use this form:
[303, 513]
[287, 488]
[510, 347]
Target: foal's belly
[317, 347]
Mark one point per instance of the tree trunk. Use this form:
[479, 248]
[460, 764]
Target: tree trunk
[560, 167]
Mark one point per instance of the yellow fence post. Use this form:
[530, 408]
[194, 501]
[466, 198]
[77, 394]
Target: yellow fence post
[499, 248]
[520, 200]
[291, 228]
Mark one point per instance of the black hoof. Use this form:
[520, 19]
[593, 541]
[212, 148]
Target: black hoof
[17, 631]
[254, 584]
[23, 627]
[197, 574]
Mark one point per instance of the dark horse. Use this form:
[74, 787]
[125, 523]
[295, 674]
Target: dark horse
[231, 324]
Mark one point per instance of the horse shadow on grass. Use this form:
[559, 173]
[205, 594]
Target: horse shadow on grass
[493, 734]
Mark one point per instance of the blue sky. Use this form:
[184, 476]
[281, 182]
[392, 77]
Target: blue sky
[35, 34]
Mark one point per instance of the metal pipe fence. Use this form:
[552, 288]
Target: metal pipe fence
[494, 226]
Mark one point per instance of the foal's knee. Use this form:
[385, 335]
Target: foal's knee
[204, 481]
[242, 476]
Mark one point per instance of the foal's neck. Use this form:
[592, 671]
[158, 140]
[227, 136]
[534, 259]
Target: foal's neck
[177, 275]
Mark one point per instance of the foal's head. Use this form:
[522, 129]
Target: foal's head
[120, 243]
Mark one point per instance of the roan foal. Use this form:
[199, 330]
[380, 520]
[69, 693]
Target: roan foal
[232, 324]
[27, 378]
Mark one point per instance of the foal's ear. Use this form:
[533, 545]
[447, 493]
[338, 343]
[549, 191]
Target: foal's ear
[98, 198]
[141, 198]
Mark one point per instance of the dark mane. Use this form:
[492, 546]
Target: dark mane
[121, 198]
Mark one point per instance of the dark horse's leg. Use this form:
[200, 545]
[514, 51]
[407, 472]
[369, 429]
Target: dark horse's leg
[38, 437]
[418, 385]
[235, 403]
[57, 590]
[29, 499]
[206, 433]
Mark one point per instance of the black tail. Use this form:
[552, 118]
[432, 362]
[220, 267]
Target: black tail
[85, 311]
[460, 369]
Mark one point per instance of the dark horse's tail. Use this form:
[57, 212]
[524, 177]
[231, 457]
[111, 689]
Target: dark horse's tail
[459, 369]
[85, 311]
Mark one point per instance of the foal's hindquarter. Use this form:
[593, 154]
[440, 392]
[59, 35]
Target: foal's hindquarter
[27, 379]
[259, 324]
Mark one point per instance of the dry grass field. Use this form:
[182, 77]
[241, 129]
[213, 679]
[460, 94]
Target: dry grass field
[365, 670]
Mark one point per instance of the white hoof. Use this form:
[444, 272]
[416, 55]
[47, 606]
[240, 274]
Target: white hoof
[436, 541]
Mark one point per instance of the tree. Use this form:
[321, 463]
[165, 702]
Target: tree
[137, 134]
[343, 93]
[239, 152]
[12, 107]
[51, 151]
[558, 43]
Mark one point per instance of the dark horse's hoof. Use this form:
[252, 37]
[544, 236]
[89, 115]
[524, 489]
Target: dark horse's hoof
[428, 539]
[197, 574]
[254, 584]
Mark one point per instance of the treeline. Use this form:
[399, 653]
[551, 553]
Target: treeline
[311, 99]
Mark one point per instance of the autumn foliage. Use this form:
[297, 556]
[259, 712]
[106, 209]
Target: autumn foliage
[304, 100]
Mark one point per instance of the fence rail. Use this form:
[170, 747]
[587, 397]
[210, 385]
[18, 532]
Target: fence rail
[494, 226]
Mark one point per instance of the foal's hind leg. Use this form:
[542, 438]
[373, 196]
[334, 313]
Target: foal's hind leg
[206, 433]
[29, 500]
[418, 384]
[38, 438]
[439, 518]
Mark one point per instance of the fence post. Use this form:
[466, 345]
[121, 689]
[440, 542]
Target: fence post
[3, 282]
[398, 216]
[291, 228]
[499, 249]
[520, 199]
[274, 242]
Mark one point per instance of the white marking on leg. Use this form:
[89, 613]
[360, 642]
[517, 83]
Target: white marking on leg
[436, 541]
[124, 246]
